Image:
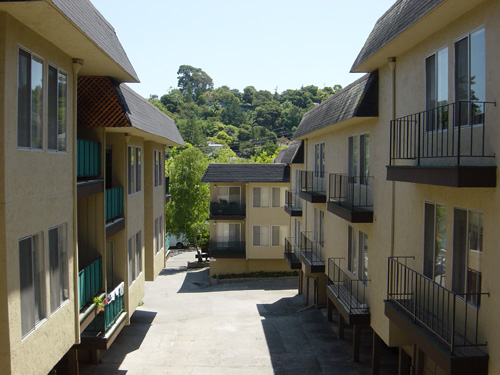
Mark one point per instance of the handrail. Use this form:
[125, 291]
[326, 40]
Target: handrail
[292, 200]
[227, 247]
[291, 247]
[443, 312]
[89, 281]
[114, 203]
[453, 130]
[88, 158]
[353, 191]
[356, 288]
[225, 208]
[312, 182]
[312, 250]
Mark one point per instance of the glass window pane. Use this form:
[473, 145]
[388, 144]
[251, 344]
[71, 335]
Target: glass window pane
[62, 111]
[131, 170]
[264, 236]
[459, 250]
[234, 194]
[275, 235]
[276, 196]
[24, 100]
[256, 197]
[26, 286]
[363, 256]
[462, 79]
[138, 169]
[477, 74]
[131, 276]
[54, 269]
[264, 198]
[138, 254]
[36, 104]
[39, 278]
[52, 109]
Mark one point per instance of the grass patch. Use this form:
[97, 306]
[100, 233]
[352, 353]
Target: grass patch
[254, 275]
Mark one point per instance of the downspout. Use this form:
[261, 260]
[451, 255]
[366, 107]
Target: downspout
[77, 64]
[392, 66]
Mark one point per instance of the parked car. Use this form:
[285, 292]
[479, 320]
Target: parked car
[179, 242]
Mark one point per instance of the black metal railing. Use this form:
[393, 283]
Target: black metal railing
[292, 200]
[311, 250]
[291, 247]
[352, 292]
[454, 130]
[224, 208]
[227, 248]
[350, 191]
[444, 313]
[312, 182]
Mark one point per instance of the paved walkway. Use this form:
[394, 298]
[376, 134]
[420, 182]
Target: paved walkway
[188, 327]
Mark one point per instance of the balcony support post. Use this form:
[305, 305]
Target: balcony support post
[356, 341]
[376, 341]
[341, 327]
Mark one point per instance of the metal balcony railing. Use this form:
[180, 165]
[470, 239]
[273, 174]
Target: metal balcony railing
[226, 248]
[114, 307]
[312, 182]
[292, 200]
[350, 191]
[88, 159]
[311, 250]
[89, 282]
[223, 208]
[291, 247]
[352, 292]
[114, 203]
[454, 131]
[446, 314]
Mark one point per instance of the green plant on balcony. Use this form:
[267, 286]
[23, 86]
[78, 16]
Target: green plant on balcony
[100, 303]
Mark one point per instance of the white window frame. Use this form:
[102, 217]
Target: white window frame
[134, 171]
[265, 196]
[223, 196]
[158, 167]
[261, 236]
[59, 134]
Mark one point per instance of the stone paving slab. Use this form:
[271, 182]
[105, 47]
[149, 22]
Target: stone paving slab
[251, 327]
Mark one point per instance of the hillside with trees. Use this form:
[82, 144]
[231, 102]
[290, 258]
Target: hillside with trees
[249, 122]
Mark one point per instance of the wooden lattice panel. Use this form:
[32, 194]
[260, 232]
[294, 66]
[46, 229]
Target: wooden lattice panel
[98, 103]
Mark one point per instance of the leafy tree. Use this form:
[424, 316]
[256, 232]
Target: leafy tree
[189, 206]
[192, 132]
[249, 94]
[290, 115]
[266, 115]
[193, 82]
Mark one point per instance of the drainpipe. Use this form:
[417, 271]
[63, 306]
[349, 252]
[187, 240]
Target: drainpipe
[392, 66]
[77, 64]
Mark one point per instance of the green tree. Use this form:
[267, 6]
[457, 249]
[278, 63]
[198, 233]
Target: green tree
[189, 207]
[192, 132]
[193, 82]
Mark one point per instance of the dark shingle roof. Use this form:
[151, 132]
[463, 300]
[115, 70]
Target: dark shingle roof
[92, 23]
[145, 116]
[294, 153]
[222, 172]
[402, 15]
[359, 99]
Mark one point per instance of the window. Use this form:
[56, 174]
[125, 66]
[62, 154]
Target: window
[359, 158]
[29, 101]
[57, 103]
[435, 242]
[58, 262]
[229, 194]
[260, 235]
[470, 80]
[158, 238]
[32, 282]
[318, 234]
[357, 254]
[467, 252]
[436, 90]
[319, 160]
[134, 169]
[261, 197]
[159, 172]
[134, 257]
[228, 233]
[110, 266]
[297, 232]
[277, 198]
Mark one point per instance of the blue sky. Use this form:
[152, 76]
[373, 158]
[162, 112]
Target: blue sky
[269, 44]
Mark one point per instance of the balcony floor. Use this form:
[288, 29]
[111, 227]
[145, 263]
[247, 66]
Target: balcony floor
[312, 262]
[339, 295]
[465, 360]
[293, 211]
[293, 261]
[103, 341]
[313, 196]
[351, 213]
[459, 176]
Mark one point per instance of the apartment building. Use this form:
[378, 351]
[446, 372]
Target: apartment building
[81, 206]
[398, 190]
[248, 226]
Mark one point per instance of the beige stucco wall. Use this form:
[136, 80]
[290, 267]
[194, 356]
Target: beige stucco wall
[266, 216]
[225, 266]
[37, 194]
[154, 207]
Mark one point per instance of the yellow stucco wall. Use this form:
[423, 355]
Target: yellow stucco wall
[225, 266]
[37, 194]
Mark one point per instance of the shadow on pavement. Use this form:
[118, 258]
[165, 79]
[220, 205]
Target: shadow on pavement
[198, 282]
[301, 341]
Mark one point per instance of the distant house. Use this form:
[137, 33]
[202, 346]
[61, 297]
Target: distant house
[248, 226]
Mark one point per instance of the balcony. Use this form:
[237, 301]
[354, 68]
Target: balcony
[292, 254]
[311, 254]
[348, 297]
[349, 197]
[115, 221]
[106, 326]
[312, 186]
[293, 203]
[223, 210]
[89, 286]
[227, 249]
[445, 146]
[88, 168]
[440, 322]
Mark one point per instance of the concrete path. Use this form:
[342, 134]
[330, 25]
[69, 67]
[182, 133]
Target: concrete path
[247, 327]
